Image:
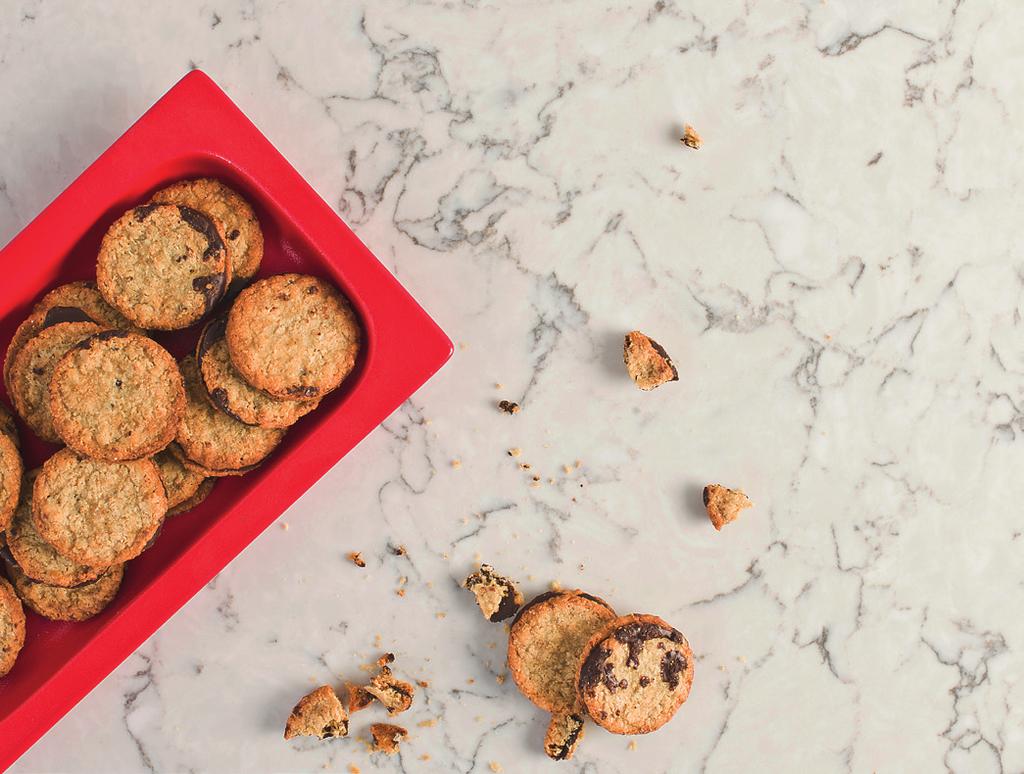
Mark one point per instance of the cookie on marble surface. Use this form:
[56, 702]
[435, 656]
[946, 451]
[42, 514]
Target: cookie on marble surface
[396, 695]
[163, 266]
[496, 596]
[117, 396]
[11, 472]
[647, 361]
[12, 627]
[723, 504]
[545, 643]
[212, 441]
[243, 236]
[195, 500]
[293, 336]
[37, 558]
[320, 714]
[98, 513]
[33, 368]
[67, 604]
[564, 734]
[232, 394]
[386, 737]
[634, 674]
[180, 483]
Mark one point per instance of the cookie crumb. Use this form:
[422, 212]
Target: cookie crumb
[319, 713]
[524, 465]
[496, 767]
[284, 525]
[515, 451]
[496, 596]
[555, 586]
[357, 698]
[400, 592]
[498, 386]
[356, 558]
[564, 734]
[509, 407]
[632, 745]
[399, 551]
[423, 683]
[647, 362]
[723, 504]
[440, 615]
[396, 695]
[567, 469]
[425, 757]
[690, 137]
[456, 464]
[387, 737]
[499, 679]
[427, 723]
[353, 769]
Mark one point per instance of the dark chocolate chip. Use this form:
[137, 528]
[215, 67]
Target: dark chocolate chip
[205, 226]
[37, 371]
[144, 211]
[212, 288]
[305, 392]
[213, 332]
[219, 396]
[62, 314]
[592, 598]
[634, 635]
[673, 664]
[661, 351]
[312, 290]
[234, 234]
[644, 681]
[118, 383]
[705, 495]
[598, 669]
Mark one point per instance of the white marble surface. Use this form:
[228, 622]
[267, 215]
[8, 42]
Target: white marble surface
[837, 273]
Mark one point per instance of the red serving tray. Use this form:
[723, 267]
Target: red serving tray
[195, 130]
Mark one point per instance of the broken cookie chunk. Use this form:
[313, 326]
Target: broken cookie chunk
[497, 596]
[723, 504]
[356, 558]
[357, 697]
[508, 406]
[564, 735]
[386, 737]
[393, 693]
[690, 138]
[318, 714]
[647, 362]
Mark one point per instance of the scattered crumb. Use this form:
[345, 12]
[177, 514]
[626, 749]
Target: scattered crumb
[440, 615]
[427, 723]
[514, 451]
[403, 580]
[386, 737]
[690, 137]
[567, 469]
[399, 551]
[445, 556]
[509, 407]
[400, 592]
[423, 683]
[428, 421]
[425, 757]
[535, 485]
[524, 466]
[496, 767]
[551, 480]
[498, 385]
[470, 681]
[356, 558]
[580, 567]
[632, 745]
[376, 641]
[353, 769]
[721, 667]
[742, 659]
[456, 464]
[463, 345]
[284, 525]
[499, 679]
[724, 505]
[556, 586]
[579, 463]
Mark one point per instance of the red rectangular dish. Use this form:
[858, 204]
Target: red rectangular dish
[195, 130]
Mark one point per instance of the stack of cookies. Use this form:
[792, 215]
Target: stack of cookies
[145, 436]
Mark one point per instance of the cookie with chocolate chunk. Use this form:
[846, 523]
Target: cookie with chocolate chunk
[386, 737]
[293, 336]
[232, 394]
[565, 732]
[98, 513]
[318, 713]
[163, 266]
[117, 396]
[396, 695]
[11, 470]
[647, 361]
[723, 504]
[634, 674]
[67, 604]
[33, 368]
[497, 596]
[545, 643]
[12, 627]
[242, 233]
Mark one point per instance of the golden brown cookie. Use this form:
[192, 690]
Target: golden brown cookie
[11, 471]
[496, 596]
[634, 674]
[117, 396]
[242, 233]
[163, 266]
[179, 482]
[565, 732]
[319, 713]
[195, 500]
[723, 504]
[647, 361]
[232, 394]
[214, 442]
[293, 336]
[545, 643]
[61, 604]
[33, 367]
[12, 627]
[98, 513]
[37, 558]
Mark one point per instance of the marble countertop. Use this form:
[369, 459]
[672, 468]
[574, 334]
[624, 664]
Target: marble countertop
[836, 272]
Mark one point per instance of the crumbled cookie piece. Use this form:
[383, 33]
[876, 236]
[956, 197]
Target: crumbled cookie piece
[320, 714]
[396, 695]
[357, 697]
[564, 735]
[497, 596]
[387, 737]
[690, 137]
[509, 407]
[723, 504]
[356, 558]
[647, 361]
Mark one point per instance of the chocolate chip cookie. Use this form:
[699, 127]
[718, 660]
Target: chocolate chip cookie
[545, 643]
[235, 396]
[634, 674]
[116, 396]
[293, 336]
[11, 470]
[98, 513]
[213, 442]
[163, 266]
[67, 604]
[12, 627]
[319, 713]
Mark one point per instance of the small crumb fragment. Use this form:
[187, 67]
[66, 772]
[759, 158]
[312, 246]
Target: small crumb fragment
[632, 745]
[498, 385]
[470, 680]
[427, 723]
[387, 737]
[563, 735]
[567, 469]
[399, 551]
[456, 464]
[690, 137]
[499, 679]
[535, 484]
[284, 526]
[555, 586]
[353, 769]
[647, 362]
[320, 714]
[524, 466]
[508, 407]
[400, 592]
[515, 451]
[423, 683]
[578, 464]
[496, 596]
[440, 615]
[496, 767]
[463, 345]
[356, 558]
[723, 504]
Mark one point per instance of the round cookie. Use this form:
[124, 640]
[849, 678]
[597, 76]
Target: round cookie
[11, 470]
[37, 558]
[31, 326]
[235, 396]
[116, 396]
[163, 266]
[33, 368]
[195, 500]
[545, 643]
[62, 604]
[634, 674]
[97, 513]
[293, 336]
[214, 443]
[180, 483]
[12, 626]
[242, 233]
